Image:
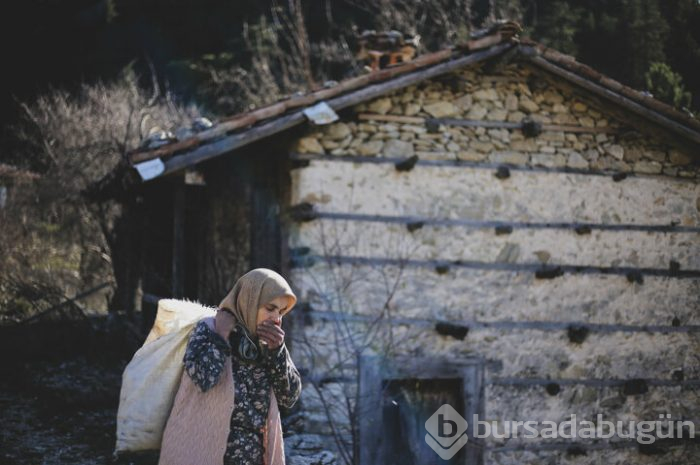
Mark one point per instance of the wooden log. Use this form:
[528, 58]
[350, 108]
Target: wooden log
[637, 355]
[391, 118]
[597, 248]
[477, 123]
[593, 299]
[618, 99]
[468, 192]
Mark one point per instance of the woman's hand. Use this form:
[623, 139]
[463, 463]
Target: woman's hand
[271, 334]
[224, 323]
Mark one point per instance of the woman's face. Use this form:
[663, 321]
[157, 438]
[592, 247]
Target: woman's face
[273, 310]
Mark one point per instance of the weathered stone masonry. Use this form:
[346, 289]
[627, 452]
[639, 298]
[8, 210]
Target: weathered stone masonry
[475, 242]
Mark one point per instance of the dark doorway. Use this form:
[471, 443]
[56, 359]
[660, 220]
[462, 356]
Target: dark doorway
[399, 394]
[406, 406]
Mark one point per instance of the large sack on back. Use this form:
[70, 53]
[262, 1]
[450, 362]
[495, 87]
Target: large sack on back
[151, 379]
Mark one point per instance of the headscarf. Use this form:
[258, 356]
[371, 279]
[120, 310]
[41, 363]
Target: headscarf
[253, 290]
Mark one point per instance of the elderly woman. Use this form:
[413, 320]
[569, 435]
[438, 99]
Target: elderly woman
[237, 372]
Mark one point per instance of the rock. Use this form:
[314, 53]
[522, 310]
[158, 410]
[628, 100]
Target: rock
[452, 147]
[497, 115]
[397, 148]
[528, 106]
[575, 160]
[615, 151]
[542, 255]
[345, 142]
[564, 118]
[559, 108]
[679, 158]
[511, 102]
[380, 106]
[337, 131]
[470, 155]
[579, 107]
[648, 167]
[329, 144]
[480, 146]
[411, 109]
[440, 109]
[586, 122]
[407, 96]
[309, 145]
[370, 148]
[499, 134]
[670, 171]
[509, 253]
[464, 103]
[516, 158]
[655, 155]
[551, 161]
[591, 155]
[477, 112]
[633, 154]
[553, 136]
[485, 94]
[553, 97]
[516, 116]
[527, 145]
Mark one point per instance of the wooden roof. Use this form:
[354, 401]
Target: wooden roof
[244, 128]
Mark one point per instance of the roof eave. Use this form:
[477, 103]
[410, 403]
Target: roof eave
[234, 141]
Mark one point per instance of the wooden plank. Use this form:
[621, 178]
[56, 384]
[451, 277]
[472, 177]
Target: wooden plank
[229, 143]
[444, 158]
[527, 353]
[419, 221]
[465, 192]
[599, 248]
[467, 294]
[463, 326]
[618, 99]
[526, 402]
[478, 123]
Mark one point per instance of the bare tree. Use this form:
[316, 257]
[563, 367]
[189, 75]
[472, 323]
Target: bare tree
[358, 302]
[57, 239]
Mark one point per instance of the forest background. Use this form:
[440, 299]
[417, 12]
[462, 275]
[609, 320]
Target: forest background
[87, 80]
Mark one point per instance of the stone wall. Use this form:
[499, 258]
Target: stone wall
[391, 252]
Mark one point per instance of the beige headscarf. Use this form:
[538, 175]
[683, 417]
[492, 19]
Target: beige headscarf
[253, 290]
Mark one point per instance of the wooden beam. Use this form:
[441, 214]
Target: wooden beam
[477, 123]
[618, 99]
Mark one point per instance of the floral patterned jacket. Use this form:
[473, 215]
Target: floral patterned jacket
[204, 363]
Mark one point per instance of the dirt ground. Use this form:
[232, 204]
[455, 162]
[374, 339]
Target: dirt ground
[61, 412]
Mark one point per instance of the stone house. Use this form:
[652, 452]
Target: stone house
[496, 226]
